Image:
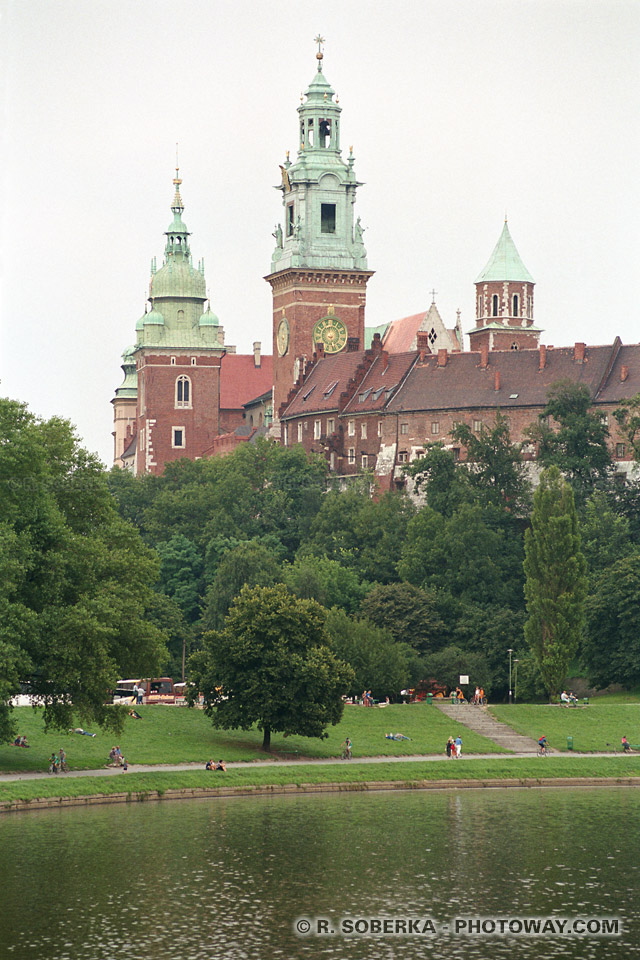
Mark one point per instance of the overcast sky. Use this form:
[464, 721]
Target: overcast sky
[457, 112]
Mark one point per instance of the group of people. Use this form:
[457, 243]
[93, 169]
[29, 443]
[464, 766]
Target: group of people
[212, 765]
[367, 699]
[58, 762]
[454, 747]
[20, 741]
[116, 758]
[569, 698]
[478, 696]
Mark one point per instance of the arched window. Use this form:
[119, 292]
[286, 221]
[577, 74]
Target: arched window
[494, 305]
[516, 305]
[183, 392]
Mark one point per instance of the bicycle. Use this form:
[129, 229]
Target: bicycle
[542, 750]
[346, 752]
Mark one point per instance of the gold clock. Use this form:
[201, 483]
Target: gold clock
[331, 332]
[282, 337]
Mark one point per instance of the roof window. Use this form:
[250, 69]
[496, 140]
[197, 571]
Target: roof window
[329, 390]
[305, 396]
[363, 396]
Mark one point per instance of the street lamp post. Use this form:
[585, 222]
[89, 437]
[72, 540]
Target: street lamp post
[515, 681]
[510, 651]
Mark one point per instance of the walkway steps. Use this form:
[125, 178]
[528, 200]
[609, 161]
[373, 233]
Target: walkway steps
[480, 721]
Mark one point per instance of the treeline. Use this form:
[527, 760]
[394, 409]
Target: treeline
[105, 574]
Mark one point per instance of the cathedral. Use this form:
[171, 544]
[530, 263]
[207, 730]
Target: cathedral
[365, 398]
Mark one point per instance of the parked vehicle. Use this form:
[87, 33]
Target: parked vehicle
[157, 690]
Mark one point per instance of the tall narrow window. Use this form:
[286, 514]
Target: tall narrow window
[183, 392]
[327, 218]
[289, 219]
[494, 305]
[178, 437]
[310, 133]
[516, 305]
[299, 433]
[324, 128]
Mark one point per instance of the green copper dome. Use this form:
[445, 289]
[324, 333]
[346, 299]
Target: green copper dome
[208, 319]
[140, 323]
[154, 316]
[178, 278]
[505, 263]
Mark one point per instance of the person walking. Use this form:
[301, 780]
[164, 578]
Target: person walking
[458, 743]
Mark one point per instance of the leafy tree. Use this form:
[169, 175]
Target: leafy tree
[604, 534]
[272, 665]
[578, 447]
[180, 574]
[250, 564]
[628, 417]
[410, 615]
[611, 650]
[440, 477]
[379, 663]
[556, 581]
[495, 467]
[324, 580]
[448, 665]
[77, 580]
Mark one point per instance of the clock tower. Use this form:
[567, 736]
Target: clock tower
[319, 266]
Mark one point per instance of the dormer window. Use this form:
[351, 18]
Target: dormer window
[327, 218]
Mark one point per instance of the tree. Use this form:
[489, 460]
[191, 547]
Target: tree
[495, 467]
[628, 417]
[180, 574]
[604, 534]
[250, 564]
[324, 580]
[410, 615]
[556, 580]
[273, 666]
[446, 486]
[579, 445]
[448, 665]
[611, 649]
[378, 662]
[76, 580]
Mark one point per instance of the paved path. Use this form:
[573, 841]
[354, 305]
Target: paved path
[325, 761]
[481, 721]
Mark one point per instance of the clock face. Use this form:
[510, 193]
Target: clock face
[332, 333]
[282, 337]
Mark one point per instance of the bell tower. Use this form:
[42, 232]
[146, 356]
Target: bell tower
[319, 265]
[504, 301]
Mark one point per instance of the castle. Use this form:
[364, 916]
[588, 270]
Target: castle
[365, 398]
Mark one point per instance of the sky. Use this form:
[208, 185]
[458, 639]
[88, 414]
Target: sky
[458, 113]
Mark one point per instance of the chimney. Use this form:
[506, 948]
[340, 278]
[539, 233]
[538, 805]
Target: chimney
[484, 356]
[624, 373]
[384, 356]
[543, 357]
[442, 357]
[496, 381]
[422, 340]
[256, 353]
[353, 344]
[578, 352]
[319, 350]
[376, 345]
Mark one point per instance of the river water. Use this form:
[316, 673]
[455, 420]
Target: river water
[229, 878]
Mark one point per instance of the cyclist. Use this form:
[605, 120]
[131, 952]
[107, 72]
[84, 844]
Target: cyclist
[542, 744]
[346, 749]
[63, 761]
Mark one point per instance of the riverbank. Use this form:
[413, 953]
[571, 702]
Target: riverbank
[310, 778]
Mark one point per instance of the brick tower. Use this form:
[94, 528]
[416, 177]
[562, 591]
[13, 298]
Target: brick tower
[504, 301]
[177, 356]
[319, 266]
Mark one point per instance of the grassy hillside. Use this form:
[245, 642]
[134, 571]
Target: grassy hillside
[598, 727]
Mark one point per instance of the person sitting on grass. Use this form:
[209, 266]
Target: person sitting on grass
[135, 715]
[626, 745]
[221, 765]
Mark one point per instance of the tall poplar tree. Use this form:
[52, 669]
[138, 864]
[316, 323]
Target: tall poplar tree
[556, 579]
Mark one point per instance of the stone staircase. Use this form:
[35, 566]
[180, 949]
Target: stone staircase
[480, 721]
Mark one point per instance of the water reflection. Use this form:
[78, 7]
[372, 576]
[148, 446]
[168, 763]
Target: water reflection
[226, 879]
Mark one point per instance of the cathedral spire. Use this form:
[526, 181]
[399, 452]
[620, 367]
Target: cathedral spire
[177, 235]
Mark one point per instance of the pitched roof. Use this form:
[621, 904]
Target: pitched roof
[402, 334]
[241, 381]
[615, 389]
[380, 382]
[505, 262]
[326, 381]
[464, 384]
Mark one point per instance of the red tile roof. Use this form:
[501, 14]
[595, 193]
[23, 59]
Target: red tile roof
[463, 383]
[402, 333]
[385, 373]
[241, 381]
[335, 369]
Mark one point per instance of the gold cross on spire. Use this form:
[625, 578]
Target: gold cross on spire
[319, 55]
[177, 181]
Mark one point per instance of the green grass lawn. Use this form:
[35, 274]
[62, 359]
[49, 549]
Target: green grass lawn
[180, 735]
[410, 772]
[597, 727]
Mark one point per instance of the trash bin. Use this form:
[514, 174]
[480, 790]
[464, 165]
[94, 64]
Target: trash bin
[429, 698]
[454, 698]
[586, 701]
[569, 743]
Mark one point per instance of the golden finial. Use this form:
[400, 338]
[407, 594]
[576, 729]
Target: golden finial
[177, 179]
[319, 40]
